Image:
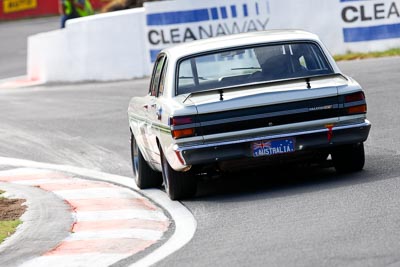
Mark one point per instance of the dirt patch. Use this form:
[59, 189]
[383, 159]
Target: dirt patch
[11, 209]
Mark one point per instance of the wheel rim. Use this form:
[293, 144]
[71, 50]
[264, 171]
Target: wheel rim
[165, 172]
[135, 157]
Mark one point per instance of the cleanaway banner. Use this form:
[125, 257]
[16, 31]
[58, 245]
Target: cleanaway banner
[174, 22]
[343, 25]
[366, 20]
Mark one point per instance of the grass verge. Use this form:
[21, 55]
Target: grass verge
[7, 228]
[10, 212]
[352, 56]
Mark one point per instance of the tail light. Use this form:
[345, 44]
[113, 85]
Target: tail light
[355, 109]
[359, 96]
[182, 127]
[181, 120]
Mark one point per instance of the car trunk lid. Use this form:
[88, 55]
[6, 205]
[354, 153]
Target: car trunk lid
[267, 105]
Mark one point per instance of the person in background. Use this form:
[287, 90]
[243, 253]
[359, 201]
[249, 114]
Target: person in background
[71, 9]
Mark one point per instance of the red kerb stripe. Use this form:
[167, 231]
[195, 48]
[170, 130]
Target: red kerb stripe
[74, 185]
[120, 245]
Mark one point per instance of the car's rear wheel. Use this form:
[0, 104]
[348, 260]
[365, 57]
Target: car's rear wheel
[145, 176]
[349, 158]
[178, 185]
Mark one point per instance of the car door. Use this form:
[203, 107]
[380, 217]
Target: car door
[154, 108]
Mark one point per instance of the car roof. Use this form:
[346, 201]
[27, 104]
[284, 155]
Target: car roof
[235, 40]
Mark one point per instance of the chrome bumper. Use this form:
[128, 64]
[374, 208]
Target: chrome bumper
[305, 141]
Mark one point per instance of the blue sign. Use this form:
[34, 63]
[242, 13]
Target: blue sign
[174, 24]
[380, 32]
[381, 19]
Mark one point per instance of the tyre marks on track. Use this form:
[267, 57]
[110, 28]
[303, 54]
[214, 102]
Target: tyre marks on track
[110, 222]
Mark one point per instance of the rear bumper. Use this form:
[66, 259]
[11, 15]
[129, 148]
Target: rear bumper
[305, 141]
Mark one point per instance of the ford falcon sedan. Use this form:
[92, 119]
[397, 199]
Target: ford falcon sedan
[242, 101]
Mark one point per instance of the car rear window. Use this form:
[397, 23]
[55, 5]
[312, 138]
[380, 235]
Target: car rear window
[250, 65]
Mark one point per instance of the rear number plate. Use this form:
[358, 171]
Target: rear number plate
[273, 147]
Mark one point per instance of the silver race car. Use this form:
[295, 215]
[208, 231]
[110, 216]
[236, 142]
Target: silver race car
[242, 101]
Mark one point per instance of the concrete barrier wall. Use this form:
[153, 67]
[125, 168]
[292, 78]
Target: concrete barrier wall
[102, 47]
[121, 45]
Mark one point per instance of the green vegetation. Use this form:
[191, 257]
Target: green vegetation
[7, 228]
[8, 223]
[351, 56]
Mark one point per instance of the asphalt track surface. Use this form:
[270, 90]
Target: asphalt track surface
[298, 217]
[13, 44]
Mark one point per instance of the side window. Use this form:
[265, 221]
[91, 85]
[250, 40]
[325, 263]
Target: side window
[186, 77]
[162, 81]
[155, 81]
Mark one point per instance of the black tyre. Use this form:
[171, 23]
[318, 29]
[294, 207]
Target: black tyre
[145, 176]
[178, 185]
[349, 158]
